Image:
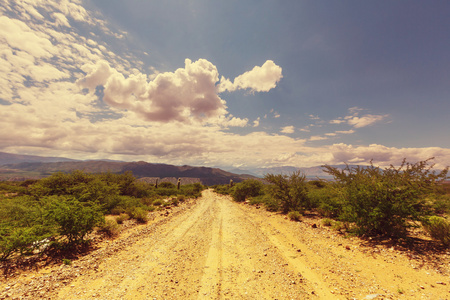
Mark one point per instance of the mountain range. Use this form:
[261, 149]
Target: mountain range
[20, 167]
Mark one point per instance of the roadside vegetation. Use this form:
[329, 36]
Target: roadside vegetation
[59, 212]
[364, 200]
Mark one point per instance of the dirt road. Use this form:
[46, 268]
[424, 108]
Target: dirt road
[218, 249]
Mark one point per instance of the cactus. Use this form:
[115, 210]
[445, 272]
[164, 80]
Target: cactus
[156, 183]
[179, 183]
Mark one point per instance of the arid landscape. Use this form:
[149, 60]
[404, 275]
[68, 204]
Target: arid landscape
[215, 248]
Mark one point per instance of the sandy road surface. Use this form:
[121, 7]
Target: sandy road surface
[218, 249]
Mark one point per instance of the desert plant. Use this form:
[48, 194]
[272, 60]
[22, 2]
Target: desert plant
[383, 201]
[289, 191]
[181, 198]
[20, 240]
[122, 218]
[438, 228]
[139, 214]
[74, 219]
[111, 227]
[167, 185]
[157, 202]
[326, 199]
[294, 215]
[327, 222]
[223, 189]
[247, 188]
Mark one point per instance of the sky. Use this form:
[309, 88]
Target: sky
[230, 84]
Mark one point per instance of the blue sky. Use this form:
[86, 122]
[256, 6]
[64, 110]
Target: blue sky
[227, 83]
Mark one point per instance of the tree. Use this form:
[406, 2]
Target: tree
[383, 201]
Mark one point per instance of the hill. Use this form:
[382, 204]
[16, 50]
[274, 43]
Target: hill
[208, 176]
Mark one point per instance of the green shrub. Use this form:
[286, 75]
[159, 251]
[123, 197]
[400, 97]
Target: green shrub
[289, 191]
[327, 222]
[181, 198]
[117, 211]
[147, 201]
[73, 218]
[166, 185]
[384, 201]
[438, 228]
[270, 203]
[223, 189]
[294, 215]
[247, 188]
[174, 201]
[20, 240]
[111, 227]
[139, 214]
[326, 200]
[339, 226]
[122, 218]
[441, 204]
[256, 200]
[150, 208]
[157, 202]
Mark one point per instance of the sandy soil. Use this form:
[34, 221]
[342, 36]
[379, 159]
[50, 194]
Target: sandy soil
[214, 248]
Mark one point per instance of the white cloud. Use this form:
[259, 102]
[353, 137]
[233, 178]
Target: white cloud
[317, 138]
[384, 156]
[259, 79]
[345, 131]
[288, 129]
[256, 122]
[181, 95]
[359, 121]
[365, 120]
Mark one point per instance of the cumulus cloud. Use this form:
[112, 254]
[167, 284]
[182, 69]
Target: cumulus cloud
[186, 93]
[259, 79]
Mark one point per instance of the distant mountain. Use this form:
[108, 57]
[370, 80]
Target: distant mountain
[311, 172]
[208, 176]
[9, 158]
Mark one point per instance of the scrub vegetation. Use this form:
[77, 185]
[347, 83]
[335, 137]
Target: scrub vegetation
[363, 200]
[60, 211]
